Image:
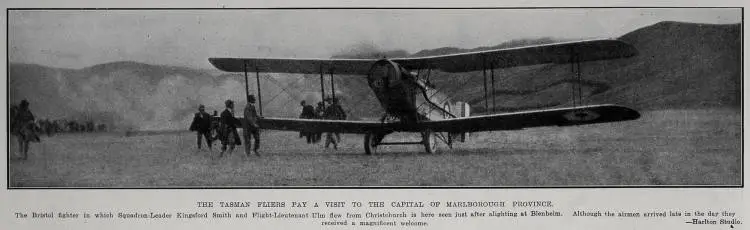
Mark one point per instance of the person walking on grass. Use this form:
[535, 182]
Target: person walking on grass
[228, 128]
[251, 126]
[202, 125]
[23, 128]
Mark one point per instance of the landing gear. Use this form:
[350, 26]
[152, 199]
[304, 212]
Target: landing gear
[371, 143]
[430, 142]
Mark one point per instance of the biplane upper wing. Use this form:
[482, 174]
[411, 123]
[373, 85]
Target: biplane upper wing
[535, 118]
[565, 52]
[590, 50]
[294, 65]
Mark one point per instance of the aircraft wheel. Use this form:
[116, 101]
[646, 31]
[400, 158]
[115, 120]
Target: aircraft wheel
[369, 141]
[430, 141]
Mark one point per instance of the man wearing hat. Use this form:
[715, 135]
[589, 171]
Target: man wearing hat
[202, 125]
[228, 127]
[308, 112]
[334, 111]
[250, 126]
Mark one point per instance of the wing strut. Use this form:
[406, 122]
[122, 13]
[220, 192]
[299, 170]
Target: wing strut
[260, 97]
[578, 72]
[492, 76]
[575, 67]
[322, 88]
[257, 82]
[484, 74]
[491, 93]
[247, 86]
[333, 87]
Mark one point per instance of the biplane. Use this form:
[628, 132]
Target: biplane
[411, 104]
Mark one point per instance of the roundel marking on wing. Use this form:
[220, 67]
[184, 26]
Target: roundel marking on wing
[581, 115]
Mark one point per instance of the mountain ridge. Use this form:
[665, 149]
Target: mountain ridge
[680, 65]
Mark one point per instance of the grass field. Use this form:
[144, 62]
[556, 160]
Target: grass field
[676, 147]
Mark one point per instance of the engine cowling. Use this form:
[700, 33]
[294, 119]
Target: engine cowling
[383, 74]
[388, 81]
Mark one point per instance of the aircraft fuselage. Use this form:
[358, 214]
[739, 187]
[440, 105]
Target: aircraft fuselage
[404, 96]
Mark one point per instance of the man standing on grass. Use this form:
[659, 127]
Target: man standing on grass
[319, 115]
[228, 127]
[202, 125]
[334, 111]
[250, 126]
[23, 128]
[308, 112]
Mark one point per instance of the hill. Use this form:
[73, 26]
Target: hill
[685, 66]
[120, 94]
[508, 44]
[132, 95]
[680, 65]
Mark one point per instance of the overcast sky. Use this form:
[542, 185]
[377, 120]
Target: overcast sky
[77, 39]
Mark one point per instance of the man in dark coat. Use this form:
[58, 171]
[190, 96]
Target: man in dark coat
[251, 126]
[308, 112]
[334, 111]
[228, 127]
[202, 125]
[23, 127]
[319, 112]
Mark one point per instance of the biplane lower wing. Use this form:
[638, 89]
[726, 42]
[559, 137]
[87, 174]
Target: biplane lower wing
[536, 118]
[319, 125]
[507, 121]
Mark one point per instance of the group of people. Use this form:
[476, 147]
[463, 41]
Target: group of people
[329, 109]
[26, 128]
[226, 126]
[208, 127]
[50, 126]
